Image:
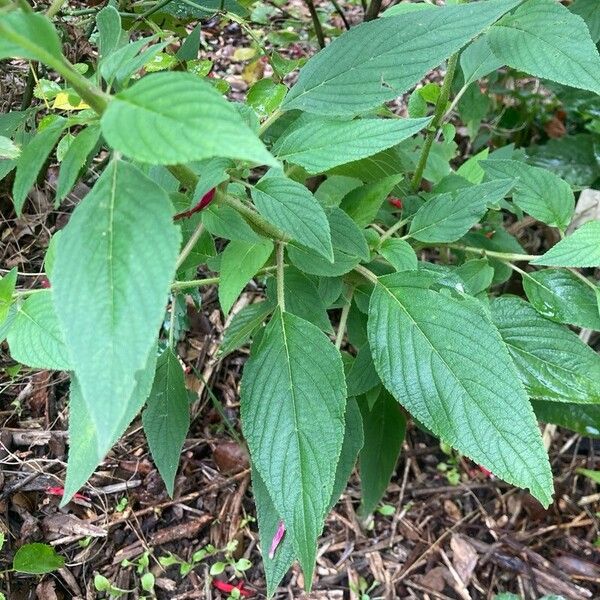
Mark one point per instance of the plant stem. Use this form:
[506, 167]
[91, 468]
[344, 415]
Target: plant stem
[280, 276]
[255, 219]
[195, 283]
[27, 293]
[373, 10]
[340, 11]
[505, 256]
[438, 116]
[343, 320]
[366, 273]
[153, 9]
[269, 121]
[54, 8]
[583, 278]
[190, 245]
[392, 230]
[316, 23]
[172, 324]
[184, 175]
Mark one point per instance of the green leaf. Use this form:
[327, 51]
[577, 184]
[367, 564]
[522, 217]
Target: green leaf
[6, 325]
[477, 60]
[588, 11]
[28, 35]
[35, 338]
[292, 404]
[447, 217]
[349, 248]
[108, 23]
[319, 144]
[265, 96]
[363, 203]
[353, 442]
[240, 261]
[292, 208]
[121, 64]
[301, 298]
[399, 254]
[243, 325]
[553, 362]
[362, 376]
[538, 192]
[268, 523]
[477, 275]
[380, 60]
[384, 427]
[166, 418]
[540, 29]
[37, 559]
[562, 297]
[110, 286]
[75, 159]
[8, 149]
[170, 118]
[443, 359]
[7, 287]
[87, 445]
[582, 418]
[32, 159]
[580, 249]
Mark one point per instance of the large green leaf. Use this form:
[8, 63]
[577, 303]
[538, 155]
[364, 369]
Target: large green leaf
[580, 249]
[32, 159]
[110, 287]
[443, 359]
[87, 446]
[582, 418]
[477, 60]
[379, 60]
[562, 297]
[349, 248]
[538, 192]
[166, 418]
[319, 144]
[170, 118]
[240, 261]
[76, 156]
[447, 217]
[108, 23]
[384, 427]
[589, 11]
[35, 337]
[293, 397]
[292, 208]
[544, 39]
[28, 35]
[553, 362]
[361, 375]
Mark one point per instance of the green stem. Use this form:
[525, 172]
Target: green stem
[280, 276]
[184, 175]
[366, 273]
[153, 9]
[505, 256]
[438, 116]
[26, 293]
[255, 219]
[343, 320]
[196, 283]
[392, 230]
[172, 324]
[269, 121]
[54, 8]
[190, 245]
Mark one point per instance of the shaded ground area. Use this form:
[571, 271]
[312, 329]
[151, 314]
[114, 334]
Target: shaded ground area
[445, 529]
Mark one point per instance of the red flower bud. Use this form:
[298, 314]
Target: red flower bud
[228, 588]
[397, 202]
[202, 203]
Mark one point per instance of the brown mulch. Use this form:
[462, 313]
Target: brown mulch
[470, 539]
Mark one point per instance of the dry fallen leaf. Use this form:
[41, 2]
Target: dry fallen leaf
[464, 558]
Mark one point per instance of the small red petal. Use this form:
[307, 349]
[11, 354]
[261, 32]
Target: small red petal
[397, 202]
[202, 203]
[277, 539]
[222, 585]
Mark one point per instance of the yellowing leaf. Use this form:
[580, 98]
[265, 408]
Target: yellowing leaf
[62, 102]
[242, 54]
